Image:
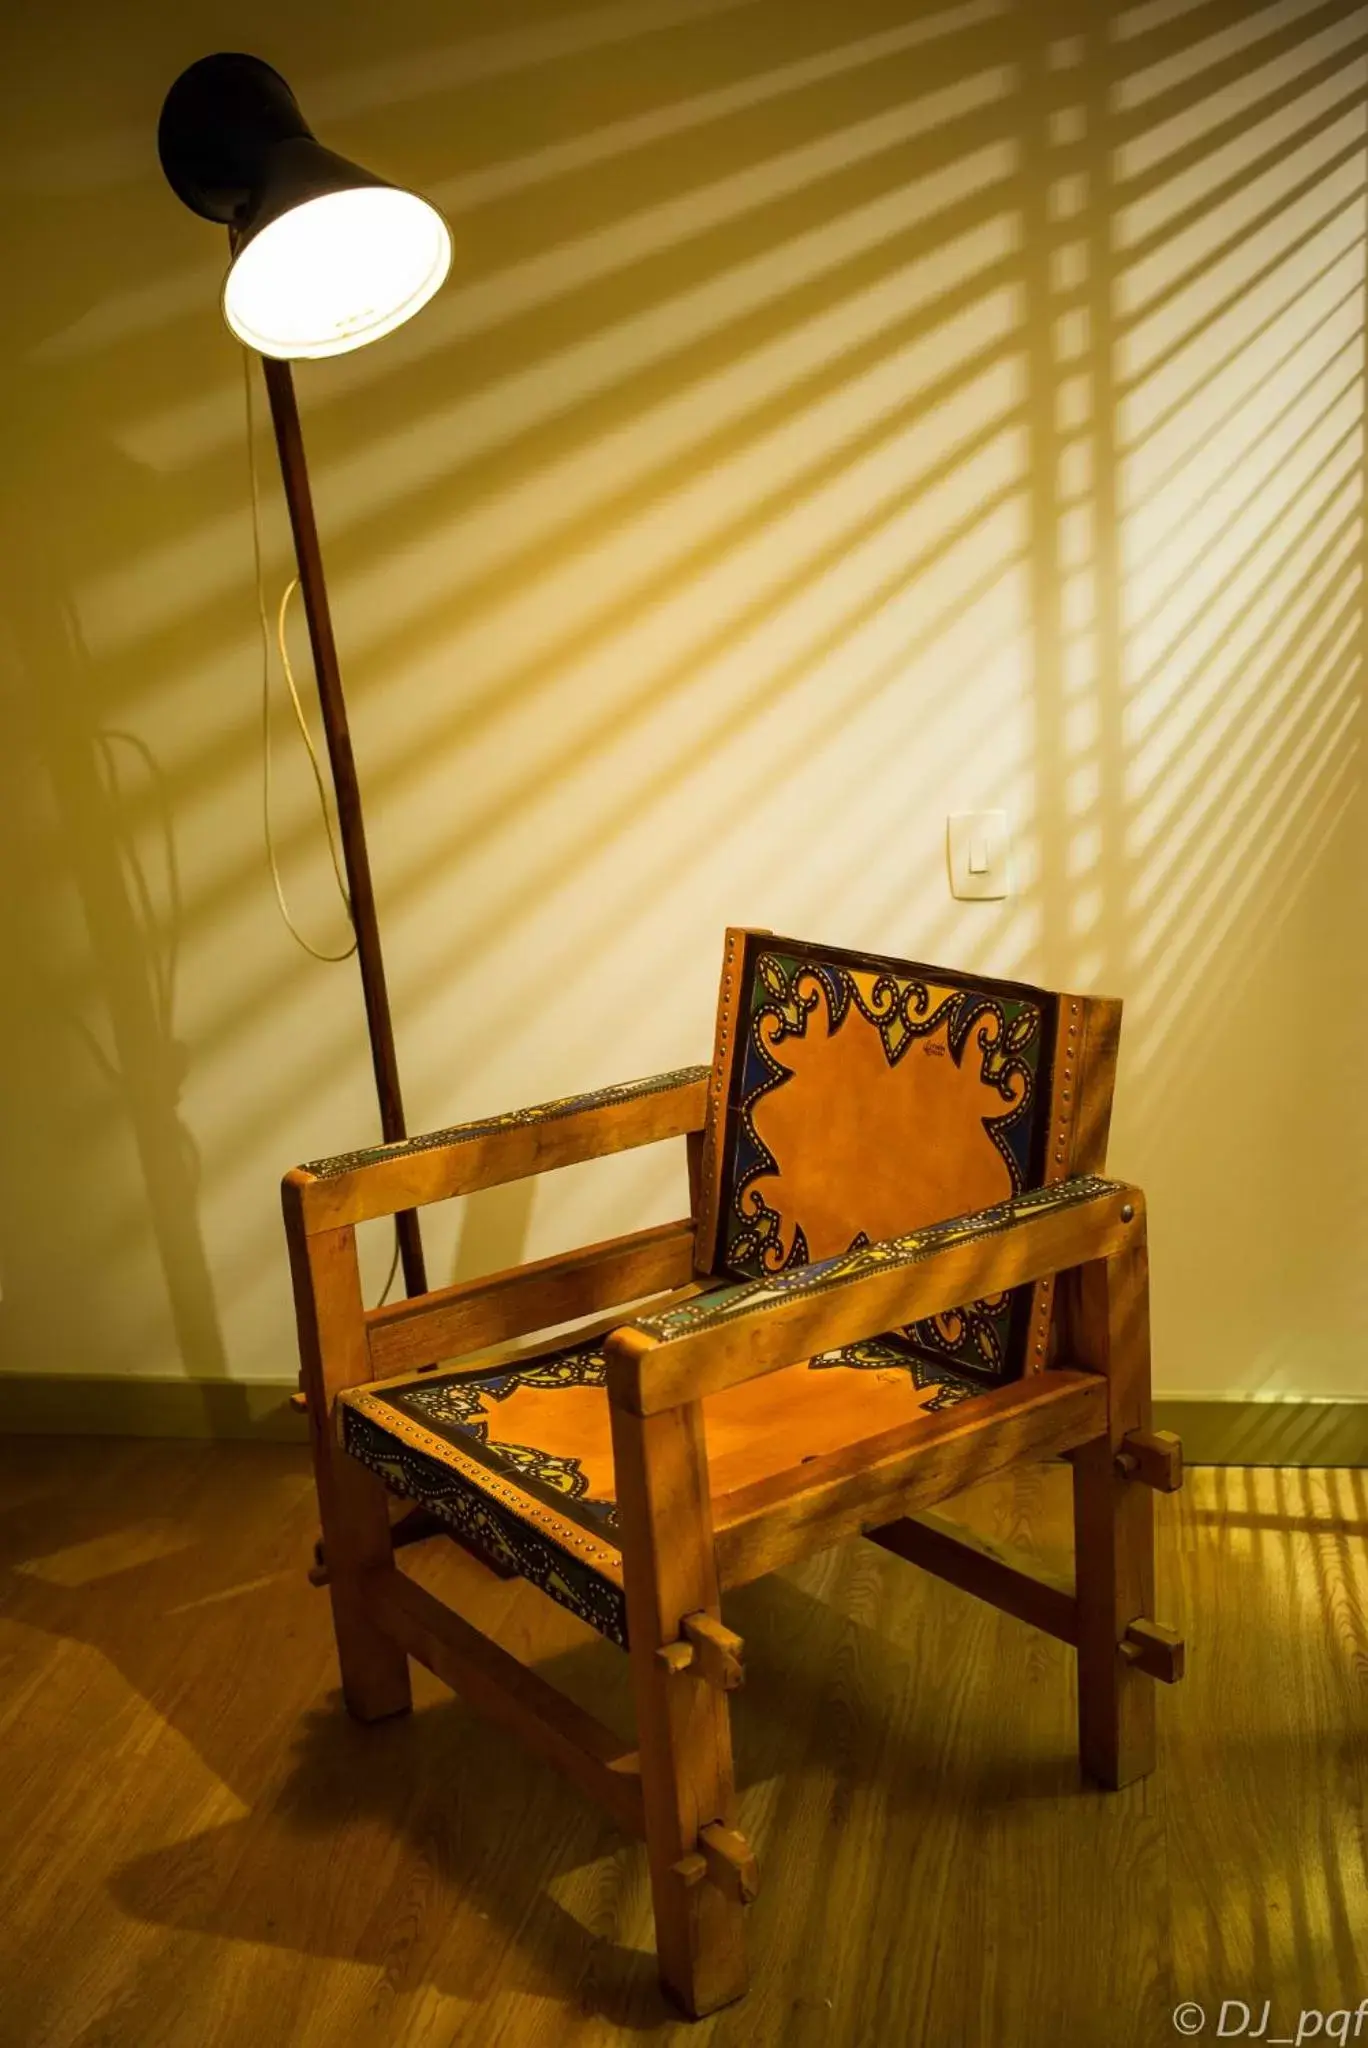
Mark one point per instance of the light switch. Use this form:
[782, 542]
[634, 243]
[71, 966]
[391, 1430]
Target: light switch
[979, 850]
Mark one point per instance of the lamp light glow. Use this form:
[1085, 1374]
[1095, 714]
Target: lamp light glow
[326, 256]
[336, 272]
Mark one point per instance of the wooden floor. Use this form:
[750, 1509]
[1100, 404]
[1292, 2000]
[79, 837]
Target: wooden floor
[200, 1849]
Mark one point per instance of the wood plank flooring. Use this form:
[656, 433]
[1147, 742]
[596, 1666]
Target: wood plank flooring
[199, 1850]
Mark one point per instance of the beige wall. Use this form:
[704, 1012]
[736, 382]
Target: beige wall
[838, 415]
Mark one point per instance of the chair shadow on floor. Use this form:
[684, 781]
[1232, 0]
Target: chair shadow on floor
[433, 1848]
[445, 1808]
[427, 1848]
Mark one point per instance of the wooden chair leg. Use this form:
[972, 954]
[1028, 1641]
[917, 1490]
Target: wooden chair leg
[683, 1725]
[356, 1534]
[1114, 1548]
[1107, 1320]
[352, 1502]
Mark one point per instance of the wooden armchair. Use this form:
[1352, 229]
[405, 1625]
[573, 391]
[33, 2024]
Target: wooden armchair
[902, 1274]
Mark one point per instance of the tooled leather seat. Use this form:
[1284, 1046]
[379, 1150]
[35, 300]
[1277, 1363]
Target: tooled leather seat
[854, 1099]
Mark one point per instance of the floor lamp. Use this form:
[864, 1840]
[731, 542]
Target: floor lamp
[325, 257]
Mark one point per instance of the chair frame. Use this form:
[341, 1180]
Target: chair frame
[681, 1545]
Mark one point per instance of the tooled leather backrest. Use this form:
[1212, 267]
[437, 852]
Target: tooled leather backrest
[855, 1097]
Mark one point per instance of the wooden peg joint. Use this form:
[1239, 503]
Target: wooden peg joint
[712, 1652]
[718, 1652]
[1152, 1648]
[1154, 1457]
[726, 1859]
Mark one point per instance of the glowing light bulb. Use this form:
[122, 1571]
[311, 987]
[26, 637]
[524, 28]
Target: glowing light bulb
[337, 272]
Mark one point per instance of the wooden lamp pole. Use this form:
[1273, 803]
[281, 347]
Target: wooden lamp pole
[314, 591]
[326, 256]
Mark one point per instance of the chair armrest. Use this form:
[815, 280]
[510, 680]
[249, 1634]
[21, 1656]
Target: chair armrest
[738, 1333]
[383, 1180]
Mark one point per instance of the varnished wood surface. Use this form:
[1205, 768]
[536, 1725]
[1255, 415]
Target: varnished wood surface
[201, 1851]
[480, 1155]
[1009, 1578]
[688, 1777]
[404, 1336]
[353, 1504]
[649, 1372]
[831, 1497]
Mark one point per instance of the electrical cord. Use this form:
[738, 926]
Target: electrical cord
[394, 1268]
[282, 646]
[301, 721]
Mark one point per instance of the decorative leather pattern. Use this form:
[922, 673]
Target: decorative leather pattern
[793, 994]
[493, 1527]
[882, 1354]
[854, 1097]
[545, 1508]
[710, 1311]
[458, 1405]
[487, 1127]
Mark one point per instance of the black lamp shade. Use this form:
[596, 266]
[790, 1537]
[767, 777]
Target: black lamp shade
[326, 255]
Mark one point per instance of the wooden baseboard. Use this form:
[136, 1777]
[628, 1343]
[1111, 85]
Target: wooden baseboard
[73, 1404]
[1214, 1432]
[1237, 1432]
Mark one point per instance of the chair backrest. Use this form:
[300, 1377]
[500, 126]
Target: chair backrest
[854, 1097]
